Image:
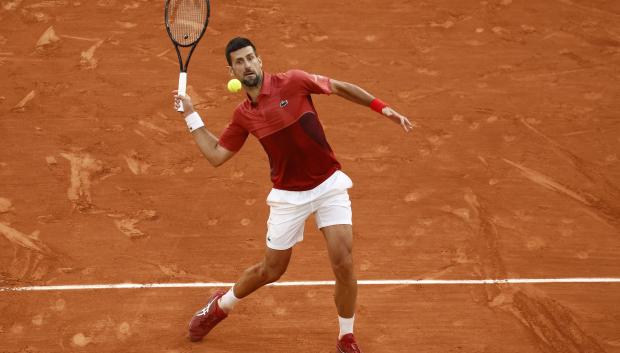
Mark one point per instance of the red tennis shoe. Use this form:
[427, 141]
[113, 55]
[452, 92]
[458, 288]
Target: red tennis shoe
[347, 344]
[205, 319]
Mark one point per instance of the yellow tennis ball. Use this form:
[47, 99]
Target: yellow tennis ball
[234, 85]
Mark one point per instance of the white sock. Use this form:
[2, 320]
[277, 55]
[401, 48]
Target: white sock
[346, 325]
[227, 301]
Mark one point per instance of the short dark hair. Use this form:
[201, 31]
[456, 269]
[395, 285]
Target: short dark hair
[236, 44]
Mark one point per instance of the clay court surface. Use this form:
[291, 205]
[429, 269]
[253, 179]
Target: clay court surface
[514, 172]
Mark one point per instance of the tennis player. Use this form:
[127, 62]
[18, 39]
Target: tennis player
[307, 178]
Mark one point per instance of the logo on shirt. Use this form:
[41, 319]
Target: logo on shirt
[283, 103]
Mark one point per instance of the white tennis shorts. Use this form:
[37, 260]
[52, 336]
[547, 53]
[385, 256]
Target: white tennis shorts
[289, 210]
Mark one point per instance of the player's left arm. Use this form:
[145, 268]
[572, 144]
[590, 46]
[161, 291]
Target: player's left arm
[358, 95]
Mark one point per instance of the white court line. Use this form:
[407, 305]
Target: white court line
[311, 283]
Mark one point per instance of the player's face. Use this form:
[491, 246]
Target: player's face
[246, 66]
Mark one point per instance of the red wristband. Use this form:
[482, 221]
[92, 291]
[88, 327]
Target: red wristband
[377, 105]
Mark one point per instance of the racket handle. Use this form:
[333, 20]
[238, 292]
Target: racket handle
[182, 88]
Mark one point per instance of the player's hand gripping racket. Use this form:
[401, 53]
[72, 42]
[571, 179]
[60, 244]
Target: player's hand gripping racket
[186, 22]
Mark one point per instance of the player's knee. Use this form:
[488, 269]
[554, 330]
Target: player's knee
[269, 274]
[343, 264]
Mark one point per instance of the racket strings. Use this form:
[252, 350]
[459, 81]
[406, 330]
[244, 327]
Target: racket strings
[186, 20]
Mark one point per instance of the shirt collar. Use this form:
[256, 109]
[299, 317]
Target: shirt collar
[266, 88]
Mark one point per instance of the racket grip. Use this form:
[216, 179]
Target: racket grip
[182, 88]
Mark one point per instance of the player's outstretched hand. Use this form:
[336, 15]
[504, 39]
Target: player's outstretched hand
[188, 107]
[398, 118]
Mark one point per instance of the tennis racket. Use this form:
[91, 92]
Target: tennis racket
[186, 22]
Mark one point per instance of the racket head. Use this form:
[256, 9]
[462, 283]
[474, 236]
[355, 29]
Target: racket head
[186, 20]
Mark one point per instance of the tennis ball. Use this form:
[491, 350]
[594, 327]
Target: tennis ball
[234, 85]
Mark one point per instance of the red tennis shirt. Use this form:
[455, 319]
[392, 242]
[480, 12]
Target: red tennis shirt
[285, 122]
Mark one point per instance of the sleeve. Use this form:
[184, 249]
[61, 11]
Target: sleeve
[234, 136]
[310, 83]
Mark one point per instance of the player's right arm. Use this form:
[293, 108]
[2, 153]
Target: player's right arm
[206, 141]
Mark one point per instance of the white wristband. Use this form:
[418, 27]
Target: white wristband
[194, 121]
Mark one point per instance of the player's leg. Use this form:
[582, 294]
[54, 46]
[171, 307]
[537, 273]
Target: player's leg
[267, 271]
[221, 303]
[334, 218]
[339, 239]
[285, 229]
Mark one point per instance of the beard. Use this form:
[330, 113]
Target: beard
[252, 82]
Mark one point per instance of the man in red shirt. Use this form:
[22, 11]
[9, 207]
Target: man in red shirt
[306, 177]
